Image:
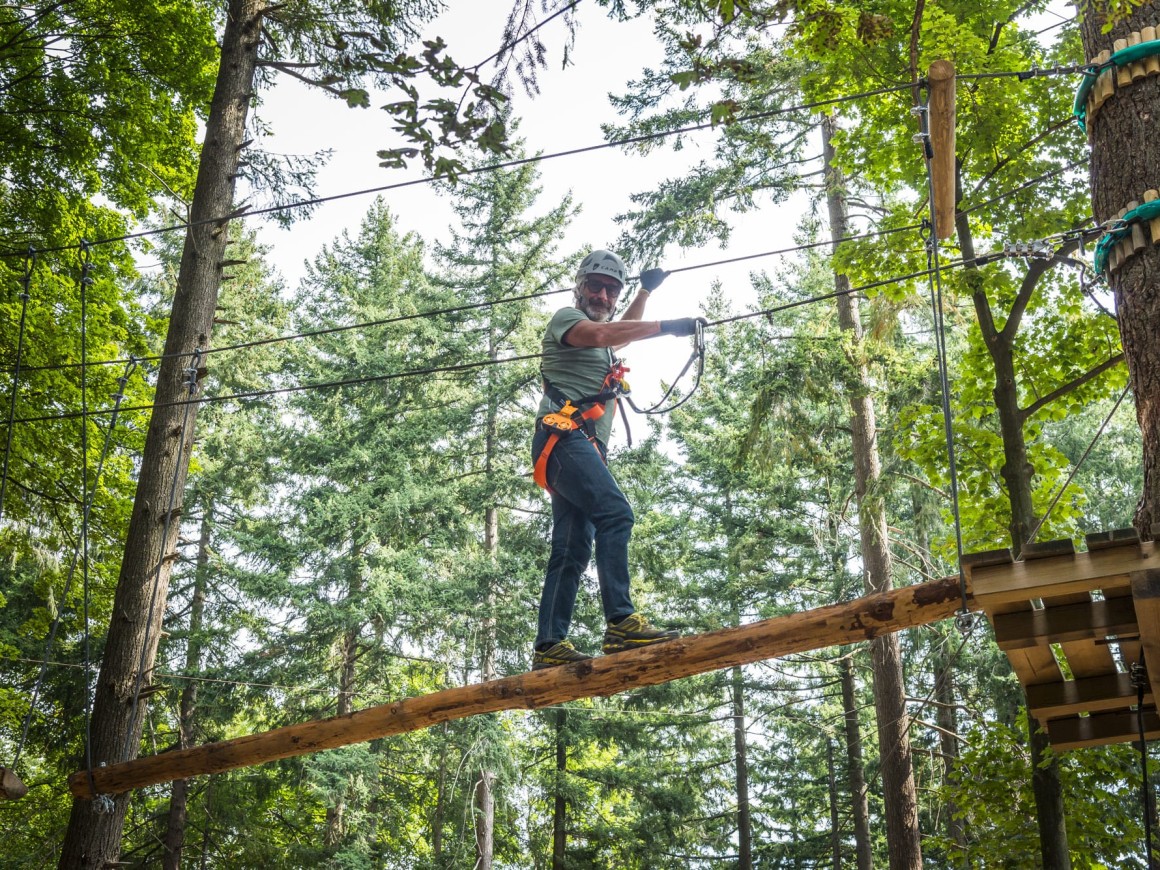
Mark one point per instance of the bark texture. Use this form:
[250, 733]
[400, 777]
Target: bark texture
[741, 772]
[178, 796]
[1125, 162]
[900, 797]
[855, 775]
[1017, 473]
[93, 839]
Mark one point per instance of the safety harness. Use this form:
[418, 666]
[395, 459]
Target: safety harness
[579, 414]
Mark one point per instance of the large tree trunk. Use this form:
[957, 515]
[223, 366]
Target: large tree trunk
[484, 795]
[175, 828]
[1017, 473]
[855, 775]
[835, 818]
[560, 804]
[1125, 163]
[93, 839]
[741, 770]
[901, 800]
[944, 692]
[348, 655]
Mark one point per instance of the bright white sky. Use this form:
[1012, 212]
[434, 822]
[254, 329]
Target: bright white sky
[567, 114]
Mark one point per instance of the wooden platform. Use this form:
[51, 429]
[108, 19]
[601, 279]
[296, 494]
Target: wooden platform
[1072, 623]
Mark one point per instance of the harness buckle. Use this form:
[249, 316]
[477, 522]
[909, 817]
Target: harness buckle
[562, 419]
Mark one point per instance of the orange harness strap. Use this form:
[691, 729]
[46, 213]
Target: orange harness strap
[565, 420]
[562, 421]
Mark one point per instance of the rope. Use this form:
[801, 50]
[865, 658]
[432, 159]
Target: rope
[1120, 228]
[25, 281]
[1092, 71]
[936, 301]
[1075, 470]
[53, 628]
[191, 376]
[698, 356]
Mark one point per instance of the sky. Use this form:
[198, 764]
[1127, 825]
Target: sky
[567, 114]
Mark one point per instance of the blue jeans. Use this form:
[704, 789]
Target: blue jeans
[586, 504]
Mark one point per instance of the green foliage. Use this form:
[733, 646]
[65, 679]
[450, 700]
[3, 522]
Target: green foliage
[993, 794]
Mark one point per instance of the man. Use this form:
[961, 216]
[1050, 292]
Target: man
[569, 451]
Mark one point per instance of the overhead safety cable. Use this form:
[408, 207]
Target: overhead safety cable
[458, 367]
[490, 167]
[457, 309]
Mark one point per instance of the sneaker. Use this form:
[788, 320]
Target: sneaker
[634, 631]
[562, 653]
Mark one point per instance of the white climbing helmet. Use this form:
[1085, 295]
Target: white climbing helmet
[603, 263]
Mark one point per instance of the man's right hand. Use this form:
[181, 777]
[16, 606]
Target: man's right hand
[681, 326]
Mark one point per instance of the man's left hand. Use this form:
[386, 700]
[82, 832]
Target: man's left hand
[651, 279]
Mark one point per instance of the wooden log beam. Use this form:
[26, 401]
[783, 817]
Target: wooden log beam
[849, 622]
[1084, 621]
[11, 787]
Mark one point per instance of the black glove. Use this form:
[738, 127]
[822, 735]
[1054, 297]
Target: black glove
[682, 326]
[650, 279]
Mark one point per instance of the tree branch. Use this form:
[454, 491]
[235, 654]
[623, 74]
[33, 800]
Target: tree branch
[1068, 387]
[1034, 272]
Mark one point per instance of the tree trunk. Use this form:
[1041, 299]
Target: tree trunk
[901, 800]
[944, 692]
[1017, 473]
[484, 795]
[440, 797]
[854, 769]
[835, 824]
[346, 683]
[560, 805]
[93, 839]
[741, 769]
[1125, 163]
[175, 829]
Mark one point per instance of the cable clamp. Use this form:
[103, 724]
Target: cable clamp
[965, 621]
[1138, 675]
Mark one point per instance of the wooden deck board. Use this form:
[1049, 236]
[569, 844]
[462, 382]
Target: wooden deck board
[1099, 729]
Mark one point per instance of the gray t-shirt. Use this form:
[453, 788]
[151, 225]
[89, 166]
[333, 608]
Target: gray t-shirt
[575, 371]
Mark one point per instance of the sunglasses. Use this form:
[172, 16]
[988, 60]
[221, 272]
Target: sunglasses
[610, 289]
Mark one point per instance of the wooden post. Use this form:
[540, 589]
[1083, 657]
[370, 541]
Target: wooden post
[848, 622]
[941, 126]
[11, 788]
